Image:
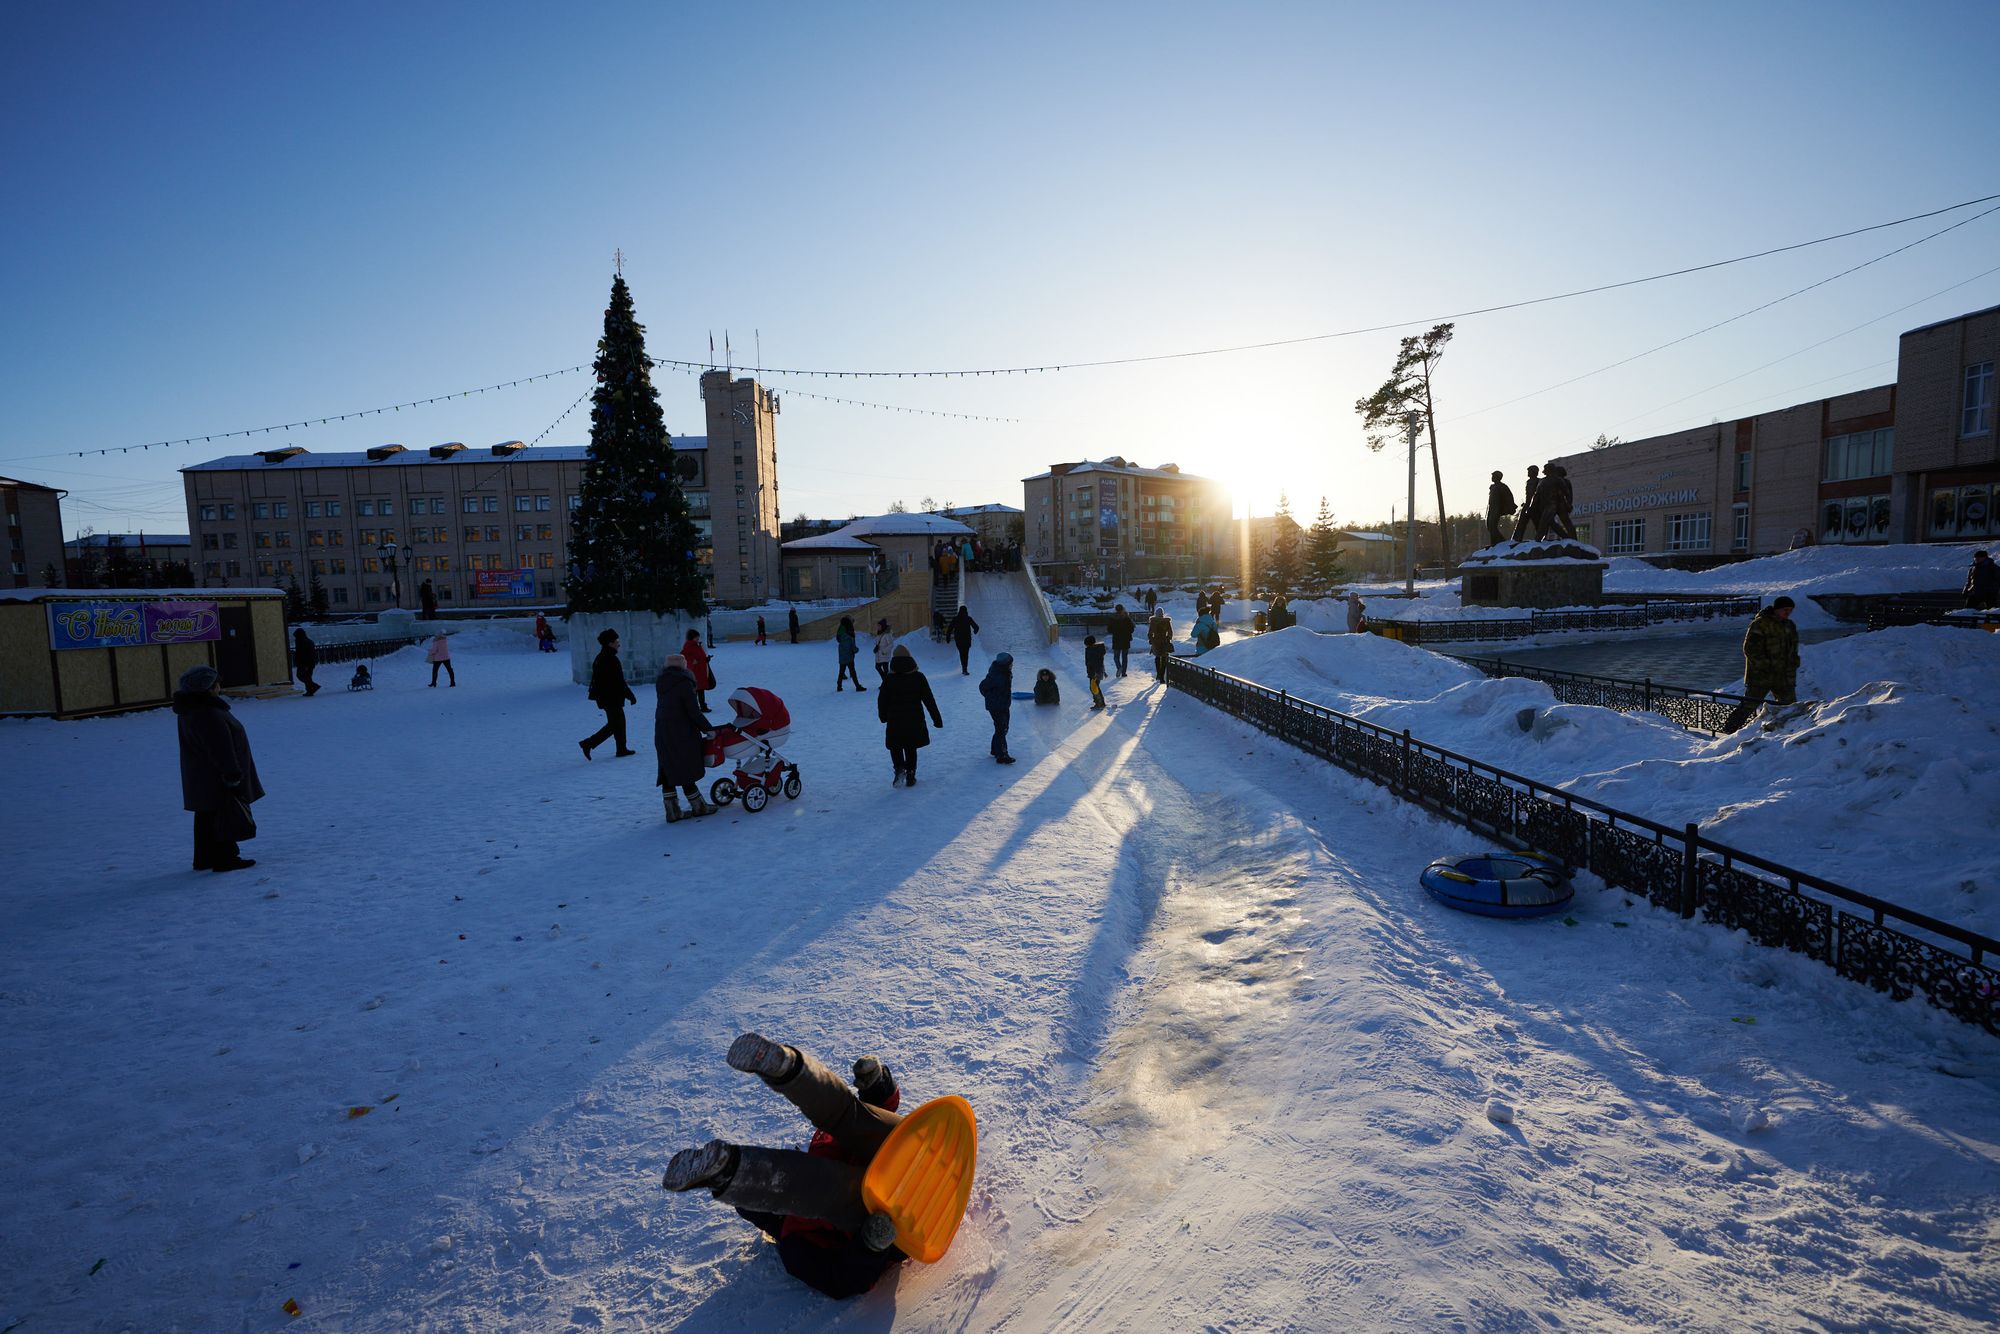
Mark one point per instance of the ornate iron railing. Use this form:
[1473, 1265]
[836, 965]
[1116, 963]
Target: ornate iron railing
[369, 649]
[1542, 622]
[1870, 940]
[1695, 710]
[1926, 609]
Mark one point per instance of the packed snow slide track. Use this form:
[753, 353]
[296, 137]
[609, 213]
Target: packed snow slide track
[1009, 616]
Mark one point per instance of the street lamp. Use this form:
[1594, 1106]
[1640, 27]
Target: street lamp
[389, 550]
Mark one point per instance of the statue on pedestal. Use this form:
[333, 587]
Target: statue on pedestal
[1528, 503]
[1499, 504]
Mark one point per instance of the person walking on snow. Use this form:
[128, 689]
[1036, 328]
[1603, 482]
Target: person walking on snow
[305, 657]
[440, 656]
[1093, 668]
[904, 699]
[808, 1202]
[1982, 583]
[699, 669]
[844, 640]
[1160, 640]
[760, 632]
[885, 644]
[218, 773]
[997, 688]
[610, 693]
[680, 733]
[1122, 628]
[1357, 617]
[545, 638]
[792, 622]
[427, 599]
[963, 628]
[1770, 661]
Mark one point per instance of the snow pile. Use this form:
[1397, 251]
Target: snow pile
[1899, 568]
[1342, 672]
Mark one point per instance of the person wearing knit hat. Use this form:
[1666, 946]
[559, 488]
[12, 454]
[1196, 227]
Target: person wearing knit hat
[680, 738]
[997, 689]
[904, 699]
[609, 692]
[218, 774]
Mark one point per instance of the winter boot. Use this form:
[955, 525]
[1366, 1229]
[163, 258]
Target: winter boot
[712, 1165]
[755, 1054]
[897, 781]
[873, 1082]
[879, 1232]
[699, 805]
[673, 804]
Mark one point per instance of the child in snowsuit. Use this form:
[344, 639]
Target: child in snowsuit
[1046, 691]
[808, 1202]
[1093, 667]
[998, 691]
[361, 679]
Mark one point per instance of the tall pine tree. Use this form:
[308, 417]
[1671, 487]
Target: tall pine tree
[1323, 568]
[632, 542]
[1281, 561]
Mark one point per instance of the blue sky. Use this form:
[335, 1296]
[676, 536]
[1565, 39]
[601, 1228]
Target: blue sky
[229, 215]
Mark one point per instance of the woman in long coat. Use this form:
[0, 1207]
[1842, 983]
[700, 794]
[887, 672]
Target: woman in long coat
[901, 706]
[218, 775]
[844, 639]
[680, 731]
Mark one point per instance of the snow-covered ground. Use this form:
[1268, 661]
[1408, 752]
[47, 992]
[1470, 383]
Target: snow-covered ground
[1233, 1069]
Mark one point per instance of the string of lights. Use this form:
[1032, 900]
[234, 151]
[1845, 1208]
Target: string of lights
[689, 368]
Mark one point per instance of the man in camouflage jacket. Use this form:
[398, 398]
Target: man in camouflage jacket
[1770, 661]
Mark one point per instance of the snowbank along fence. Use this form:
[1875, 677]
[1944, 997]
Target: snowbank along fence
[1869, 940]
[1638, 617]
[355, 650]
[1694, 710]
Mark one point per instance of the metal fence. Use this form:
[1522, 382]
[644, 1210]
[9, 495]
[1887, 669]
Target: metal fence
[369, 649]
[1926, 609]
[1695, 710]
[1859, 936]
[1542, 622]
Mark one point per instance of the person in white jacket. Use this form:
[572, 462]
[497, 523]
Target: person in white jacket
[885, 646]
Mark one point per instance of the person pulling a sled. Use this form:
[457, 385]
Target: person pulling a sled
[809, 1201]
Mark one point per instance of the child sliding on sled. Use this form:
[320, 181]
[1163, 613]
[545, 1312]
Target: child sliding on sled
[808, 1202]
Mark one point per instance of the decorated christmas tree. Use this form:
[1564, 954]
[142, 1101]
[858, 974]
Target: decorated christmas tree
[632, 543]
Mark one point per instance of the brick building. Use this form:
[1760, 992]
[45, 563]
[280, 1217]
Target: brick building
[1115, 516]
[34, 534]
[1912, 461]
[489, 527]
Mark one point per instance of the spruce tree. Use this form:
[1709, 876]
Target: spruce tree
[316, 601]
[1323, 566]
[632, 541]
[295, 601]
[1281, 567]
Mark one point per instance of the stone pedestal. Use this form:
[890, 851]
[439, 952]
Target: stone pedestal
[644, 641]
[1532, 574]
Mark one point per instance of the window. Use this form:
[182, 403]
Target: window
[229, 541]
[739, 474]
[340, 595]
[367, 508]
[316, 538]
[545, 532]
[492, 504]
[235, 569]
[471, 504]
[1688, 532]
[524, 504]
[422, 562]
[264, 567]
[437, 505]
[444, 562]
[285, 567]
[365, 537]
[1625, 537]
[1977, 416]
[374, 594]
[472, 532]
[523, 532]
[282, 510]
[210, 542]
[260, 511]
[576, 502]
[313, 508]
[388, 507]
[1860, 454]
[371, 565]
[284, 537]
[228, 510]
[548, 560]
[333, 509]
[338, 566]
[544, 503]
[1739, 538]
[336, 537]
[319, 567]
[208, 514]
[492, 532]
[1742, 470]
[477, 562]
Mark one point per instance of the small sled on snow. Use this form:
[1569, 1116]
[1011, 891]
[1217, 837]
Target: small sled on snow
[921, 1177]
[1499, 884]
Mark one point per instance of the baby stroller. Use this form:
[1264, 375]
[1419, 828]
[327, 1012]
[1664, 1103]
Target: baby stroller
[361, 679]
[749, 744]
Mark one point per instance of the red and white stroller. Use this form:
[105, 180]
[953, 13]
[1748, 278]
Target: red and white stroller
[750, 745]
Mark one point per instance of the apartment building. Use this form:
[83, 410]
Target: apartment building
[1912, 461]
[486, 527]
[1115, 516]
[34, 551]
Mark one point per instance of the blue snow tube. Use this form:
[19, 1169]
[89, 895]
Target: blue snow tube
[1500, 884]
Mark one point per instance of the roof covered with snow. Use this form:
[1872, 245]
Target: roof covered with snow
[829, 542]
[849, 536]
[1121, 467]
[983, 509]
[130, 540]
[413, 455]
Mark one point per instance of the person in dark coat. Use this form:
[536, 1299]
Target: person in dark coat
[1093, 669]
[1499, 504]
[1770, 661]
[1122, 627]
[680, 736]
[1982, 583]
[792, 622]
[760, 632]
[1160, 639]
[1531, 502]
[963, 628]
[427, 598]
[997, 689]
[904, 699]
[218, 774]
[844, 645]
[1046, 689]
[610, 693]
[305, 657]
[808, 1202]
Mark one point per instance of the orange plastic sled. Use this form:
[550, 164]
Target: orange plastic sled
[921, 1177]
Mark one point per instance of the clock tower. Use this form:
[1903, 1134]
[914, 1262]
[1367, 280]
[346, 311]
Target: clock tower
[742, 488]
